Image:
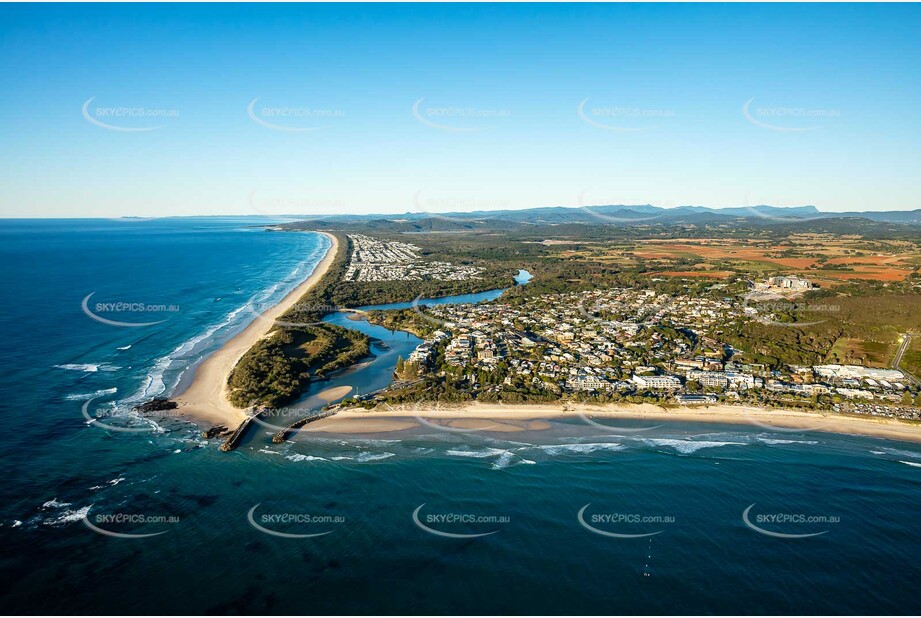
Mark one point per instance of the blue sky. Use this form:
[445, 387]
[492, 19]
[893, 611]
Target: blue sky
[265, 109]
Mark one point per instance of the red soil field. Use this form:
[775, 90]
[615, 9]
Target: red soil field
[711, 274]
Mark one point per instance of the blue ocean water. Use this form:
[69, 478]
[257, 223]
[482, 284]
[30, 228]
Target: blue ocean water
[564, 517]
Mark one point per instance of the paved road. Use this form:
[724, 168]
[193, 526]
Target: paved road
[896, 361]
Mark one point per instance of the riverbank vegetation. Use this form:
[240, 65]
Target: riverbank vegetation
[276, 370]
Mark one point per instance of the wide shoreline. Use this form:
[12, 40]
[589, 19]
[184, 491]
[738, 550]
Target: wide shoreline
[529, 417]
[205, 400]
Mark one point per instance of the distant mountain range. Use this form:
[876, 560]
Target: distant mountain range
[634, 214]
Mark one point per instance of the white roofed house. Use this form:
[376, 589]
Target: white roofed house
[857, 372]
[709, 379]
[587, 382]
[657, 382]
[421, 354]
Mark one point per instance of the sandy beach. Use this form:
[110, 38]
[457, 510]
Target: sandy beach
[508, 418]
[205, 400]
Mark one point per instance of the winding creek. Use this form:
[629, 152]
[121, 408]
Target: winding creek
[386, 346]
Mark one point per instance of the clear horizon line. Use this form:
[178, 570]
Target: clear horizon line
[447, 212]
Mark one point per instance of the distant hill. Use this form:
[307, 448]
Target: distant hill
[621, 214]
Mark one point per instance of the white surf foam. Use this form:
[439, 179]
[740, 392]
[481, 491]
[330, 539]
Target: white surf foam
[366, 456]
[914, 464]
[54, 504]
[369, 442]
[87, 367]
[85, 396]
[686, 447]
[299, 457]
[481, 454]
[901, 453]
[504, 457]
[155, 384]
[68, 516]
[780, 441]
[508, 458]
[585, 447]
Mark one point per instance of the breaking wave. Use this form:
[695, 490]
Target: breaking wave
[110, 483]
[365, 456]
[587, 447]
[88, 367]
[155, 384]
[85, 396]
[299, 457]
[686, 447]
[780, 441]
[68, 516]
[63, 515]
[504, 457]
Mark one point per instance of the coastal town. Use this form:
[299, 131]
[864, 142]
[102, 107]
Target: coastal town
[574, 332]
[636, 345]
[372, 259]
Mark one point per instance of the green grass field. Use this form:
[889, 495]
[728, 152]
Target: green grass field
[861, 352]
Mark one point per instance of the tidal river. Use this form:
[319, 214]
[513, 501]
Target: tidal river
[386, 345]
[689, 508]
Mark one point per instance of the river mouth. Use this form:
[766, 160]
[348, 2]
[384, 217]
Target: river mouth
[376, 372]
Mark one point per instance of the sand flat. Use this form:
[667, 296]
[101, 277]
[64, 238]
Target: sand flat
[332, 394]
[337, 424]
